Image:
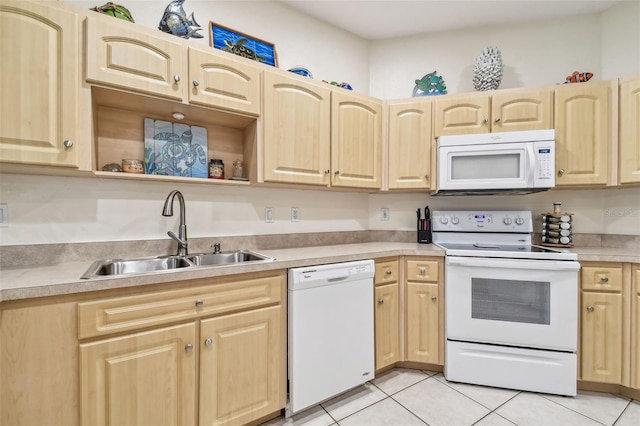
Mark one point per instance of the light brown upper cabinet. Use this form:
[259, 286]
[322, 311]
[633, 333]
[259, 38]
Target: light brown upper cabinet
[409, 145]
[356, 140]
[484, 112]
[39, 82]
[583, 133]
[629, 130]
[297, 129]
[316, 134]
[119, 54]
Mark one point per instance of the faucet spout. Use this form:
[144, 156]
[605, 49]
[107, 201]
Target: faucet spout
[181, 238]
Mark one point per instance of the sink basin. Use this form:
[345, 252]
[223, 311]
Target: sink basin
[136, 266]
[227, 258]
[145, 265]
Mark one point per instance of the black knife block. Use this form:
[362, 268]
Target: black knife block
[424, 231]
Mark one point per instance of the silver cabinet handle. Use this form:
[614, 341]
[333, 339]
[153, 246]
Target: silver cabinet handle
[604, 279]
[561, 172]
[434, 298]
[388, 272]
[426, 175]
[199, 303]
[485, 121]
[176, 78]
[380, 302]
[68, 143]
[590, 308]
[188, 347]
[337, 172]
[497, 120]
[208, 342]
[326, 172]
[423, 271]
[196, 83]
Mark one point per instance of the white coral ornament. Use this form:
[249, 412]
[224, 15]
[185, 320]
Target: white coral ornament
[487, 71]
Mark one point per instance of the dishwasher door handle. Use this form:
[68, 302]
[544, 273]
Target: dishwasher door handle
[337, 279]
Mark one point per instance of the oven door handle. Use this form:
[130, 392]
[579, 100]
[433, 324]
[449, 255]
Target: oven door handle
[548, 265]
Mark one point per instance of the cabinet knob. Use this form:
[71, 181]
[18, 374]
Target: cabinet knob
[188, 347]
[388, 272]
[590, 308]
[208, 342]
[176, 78]
[326, 172]
[68, 143]
[497, 120]
[423, 271]
[485, 121]
[434, 298]
[426, 175]
[604, 279]
[337, 172]
[196, 83]
[380, 302]
[561, 172]
[199, 303]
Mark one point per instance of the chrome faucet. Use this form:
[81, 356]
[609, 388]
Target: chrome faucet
[181, 238]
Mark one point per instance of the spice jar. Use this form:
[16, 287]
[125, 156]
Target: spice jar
[557, 207]
[216, 169]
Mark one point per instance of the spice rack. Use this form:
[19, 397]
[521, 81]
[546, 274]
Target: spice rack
[557, 229]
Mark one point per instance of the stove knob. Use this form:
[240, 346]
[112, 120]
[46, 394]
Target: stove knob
[444, 220]
[519, 221]
[507, 221]
[455, 220]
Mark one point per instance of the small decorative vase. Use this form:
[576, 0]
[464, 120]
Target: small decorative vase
[487, 70]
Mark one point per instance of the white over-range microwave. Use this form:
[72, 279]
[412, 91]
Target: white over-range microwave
[495, 163]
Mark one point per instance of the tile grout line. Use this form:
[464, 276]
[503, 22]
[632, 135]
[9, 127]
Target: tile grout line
[625, 409]
[577, 412]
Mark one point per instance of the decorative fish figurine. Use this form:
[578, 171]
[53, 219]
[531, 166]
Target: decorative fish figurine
[430, 84]
[175, 21]
[579, 77]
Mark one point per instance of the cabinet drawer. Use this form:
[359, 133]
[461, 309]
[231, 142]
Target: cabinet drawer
[386, 272]
[606, 278]
[113, 315]
[422, 270]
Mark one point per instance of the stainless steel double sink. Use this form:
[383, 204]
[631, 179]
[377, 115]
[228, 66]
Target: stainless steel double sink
[147, 265]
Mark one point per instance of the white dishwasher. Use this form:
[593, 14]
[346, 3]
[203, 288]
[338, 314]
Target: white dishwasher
[330, 331]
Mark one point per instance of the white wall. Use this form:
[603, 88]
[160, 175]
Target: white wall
[58, 209]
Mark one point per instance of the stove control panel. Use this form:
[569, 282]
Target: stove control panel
[482, 221]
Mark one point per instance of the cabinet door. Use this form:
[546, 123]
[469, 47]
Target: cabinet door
[356, 141]
[410, 145]
[386, 325]
[629, 155]
[461, 115]
[119, 55]
[39, 84]
[225, 83]
[601, 333]
[583, 129]
[423, 328]
[242, 375]
[297, 126]
[145, 378]
[521, 110]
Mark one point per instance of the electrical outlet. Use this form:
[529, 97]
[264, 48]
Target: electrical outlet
[4, 215]
[295, 214]
[268, 214]
[384, 213]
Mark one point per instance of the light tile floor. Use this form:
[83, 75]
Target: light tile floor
[403, 397]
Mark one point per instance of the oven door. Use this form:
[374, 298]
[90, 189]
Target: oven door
[514, 302]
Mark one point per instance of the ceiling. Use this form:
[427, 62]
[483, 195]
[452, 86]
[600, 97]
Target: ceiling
[382, 19]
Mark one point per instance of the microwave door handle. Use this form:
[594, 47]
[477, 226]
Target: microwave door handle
[531, 176]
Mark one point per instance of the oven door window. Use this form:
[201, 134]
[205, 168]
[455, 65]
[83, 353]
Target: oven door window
[511, 300]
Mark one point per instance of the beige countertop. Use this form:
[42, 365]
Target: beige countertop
[64, 278]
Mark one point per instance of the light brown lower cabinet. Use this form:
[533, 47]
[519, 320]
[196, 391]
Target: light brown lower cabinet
[226, 365]
[386, 314]
[424, 311]
[635, 327]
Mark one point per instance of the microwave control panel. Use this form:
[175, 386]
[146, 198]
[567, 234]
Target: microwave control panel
[482, 221]
[545, 158]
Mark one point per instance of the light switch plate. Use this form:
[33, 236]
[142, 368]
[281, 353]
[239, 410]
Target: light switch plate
[4, 215]
[384, 213]
[295, 214]
[268, 214]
